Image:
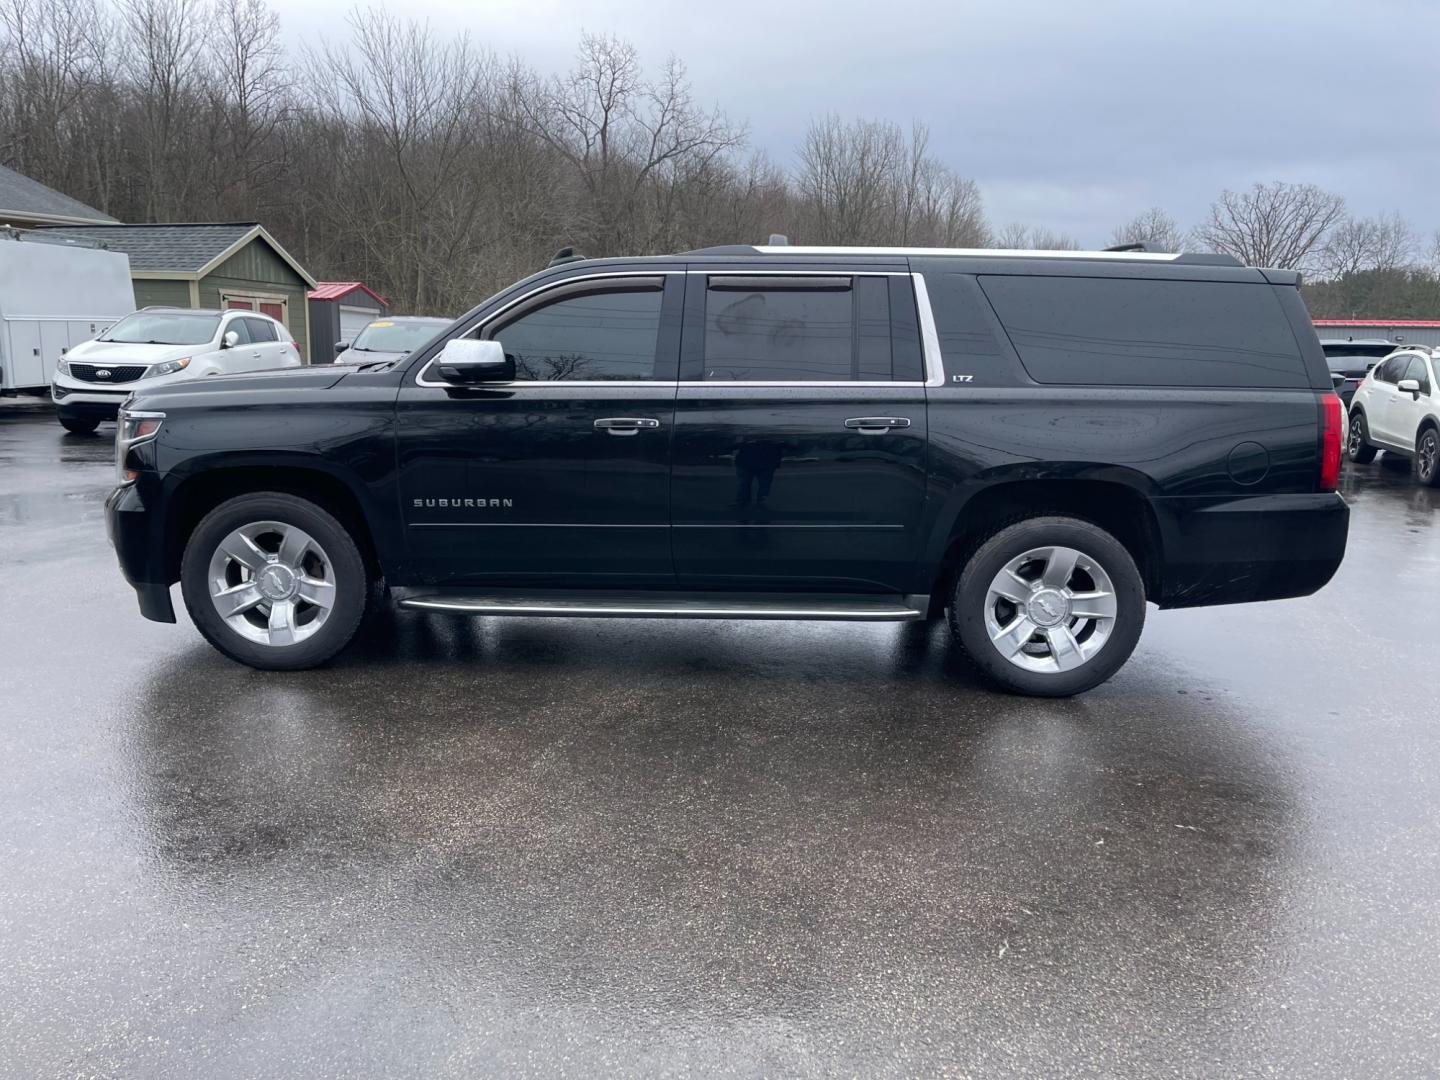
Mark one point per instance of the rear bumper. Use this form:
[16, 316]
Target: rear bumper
[133, 532]
[1264, 547]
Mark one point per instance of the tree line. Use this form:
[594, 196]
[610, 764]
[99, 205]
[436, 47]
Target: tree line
[437, 171]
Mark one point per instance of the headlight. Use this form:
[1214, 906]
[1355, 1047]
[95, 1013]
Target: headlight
[167, 368]
[62, 366]
[131, 429]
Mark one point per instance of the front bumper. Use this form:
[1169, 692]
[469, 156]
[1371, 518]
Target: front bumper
[1261, 547]
[86, 403]
[139, 542]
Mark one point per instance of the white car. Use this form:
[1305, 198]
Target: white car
[158, 346]
[1397, 409]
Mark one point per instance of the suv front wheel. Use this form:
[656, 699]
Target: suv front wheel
[1049, 606]
[274, 581]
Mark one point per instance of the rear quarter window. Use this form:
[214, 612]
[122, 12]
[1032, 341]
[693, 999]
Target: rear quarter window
[1134, 332]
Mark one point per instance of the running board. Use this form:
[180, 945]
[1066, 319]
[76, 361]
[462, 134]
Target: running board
[663, 605]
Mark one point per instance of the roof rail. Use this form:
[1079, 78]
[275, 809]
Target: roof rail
[1134, 251]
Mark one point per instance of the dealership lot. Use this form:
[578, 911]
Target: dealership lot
[555, 846]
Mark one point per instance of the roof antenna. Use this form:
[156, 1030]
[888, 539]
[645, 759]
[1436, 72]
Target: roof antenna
[563, 256]
[778, 240]
[1138, 245]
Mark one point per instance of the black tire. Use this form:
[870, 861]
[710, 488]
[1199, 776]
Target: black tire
[968, 607]
[1358, 447]
[79, 425]
[351, 581]
[1427, 457]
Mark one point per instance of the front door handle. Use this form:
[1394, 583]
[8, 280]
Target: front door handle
[877, 425]
[626, 425]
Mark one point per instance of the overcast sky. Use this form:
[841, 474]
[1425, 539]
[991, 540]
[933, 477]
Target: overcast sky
[1071, 114]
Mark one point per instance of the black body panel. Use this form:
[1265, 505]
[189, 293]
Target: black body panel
[762, 485]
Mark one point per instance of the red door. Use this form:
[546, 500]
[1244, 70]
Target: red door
[243, 305]
[275, 311]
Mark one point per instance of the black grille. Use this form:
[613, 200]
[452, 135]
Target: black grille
[91, 372]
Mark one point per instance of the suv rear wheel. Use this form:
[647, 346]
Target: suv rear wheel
[1358, 447]
[274, 581]
[1049, 606]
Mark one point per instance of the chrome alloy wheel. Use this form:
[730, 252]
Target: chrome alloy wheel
[272, 583]
[1427, 455]
[1050, 609]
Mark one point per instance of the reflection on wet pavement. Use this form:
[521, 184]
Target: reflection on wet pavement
[555, 846]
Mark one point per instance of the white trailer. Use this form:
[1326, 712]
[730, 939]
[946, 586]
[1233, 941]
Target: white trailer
[54, 294]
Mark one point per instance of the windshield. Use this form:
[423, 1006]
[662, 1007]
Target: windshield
[154, 328]
[387, 336]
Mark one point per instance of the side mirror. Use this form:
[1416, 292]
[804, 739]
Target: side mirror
[341, 346]
[230, 340]
[1409, 386]
[1337, 380]
[464, 360]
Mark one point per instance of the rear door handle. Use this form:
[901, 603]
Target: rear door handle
[877, 425]
[625, 425]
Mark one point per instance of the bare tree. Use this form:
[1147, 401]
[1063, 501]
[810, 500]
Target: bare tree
[249, 101]
[1358, 244]
[866, 182]
[164, 51]
[1154, 227]
[406, 108]
[1016, 236]
[1277, 224]
[54, 50]
[627, 138]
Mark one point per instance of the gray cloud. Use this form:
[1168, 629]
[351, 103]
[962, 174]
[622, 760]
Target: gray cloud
[1072, 115]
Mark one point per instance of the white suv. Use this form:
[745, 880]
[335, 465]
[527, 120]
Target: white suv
[163, 345]
[1397, 409]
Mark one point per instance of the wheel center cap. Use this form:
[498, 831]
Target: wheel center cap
[275, 582]
[1048, 607]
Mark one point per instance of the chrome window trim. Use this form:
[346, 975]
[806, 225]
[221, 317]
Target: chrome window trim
[481, 323]
[721, 271]
[929, 339]
[731, 384]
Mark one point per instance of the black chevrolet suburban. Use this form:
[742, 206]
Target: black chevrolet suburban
[1034, 444]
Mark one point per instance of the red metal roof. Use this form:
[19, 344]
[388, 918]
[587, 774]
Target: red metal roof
[334, 290]
[1430, 324]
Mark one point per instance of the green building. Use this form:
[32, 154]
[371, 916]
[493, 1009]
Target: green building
[225, 265]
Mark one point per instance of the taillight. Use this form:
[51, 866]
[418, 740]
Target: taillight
[1332, 438]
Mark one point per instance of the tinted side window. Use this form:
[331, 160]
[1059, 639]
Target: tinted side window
[873, 359]
[1416, 370]
[968, 344]
[238, 325]
[1130, 332]
[260, 330]
[601, 335]
[1389, 371]
[797, 331]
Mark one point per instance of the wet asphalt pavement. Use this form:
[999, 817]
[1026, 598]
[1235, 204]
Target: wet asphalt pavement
[558, 847]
